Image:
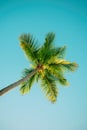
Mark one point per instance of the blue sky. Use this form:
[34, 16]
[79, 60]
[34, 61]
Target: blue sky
[68, 20]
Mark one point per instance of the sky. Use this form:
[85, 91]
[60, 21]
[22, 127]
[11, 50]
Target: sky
[68, 20]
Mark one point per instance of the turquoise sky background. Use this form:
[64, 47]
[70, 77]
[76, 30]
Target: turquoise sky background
[68, 20]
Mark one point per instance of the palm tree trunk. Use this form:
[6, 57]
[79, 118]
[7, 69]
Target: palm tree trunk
[15, 84]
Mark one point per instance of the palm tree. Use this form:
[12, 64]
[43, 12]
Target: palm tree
[48, 66]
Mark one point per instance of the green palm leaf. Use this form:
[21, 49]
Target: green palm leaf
[63, 65]
[48, 55]
[26, 86]
[44, 51]
[49, 87]
[49, 40]
[29, 46]
[58, 75]
[67, 66]
[60, 52]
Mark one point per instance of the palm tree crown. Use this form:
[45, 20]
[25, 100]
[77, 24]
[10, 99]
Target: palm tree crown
[50, 63]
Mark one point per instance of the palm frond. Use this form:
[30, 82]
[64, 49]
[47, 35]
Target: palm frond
[49, 40]
[26, 86]
[45, 51]
[27, 71]
[67, 66]
[63, 81]
[60, 52]
[44, 55]
[59, 67]
[55, 53]
[38, 76]
[58, 76]
[49, 87]
[29, 46]
[48, 55]
[62, 65]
